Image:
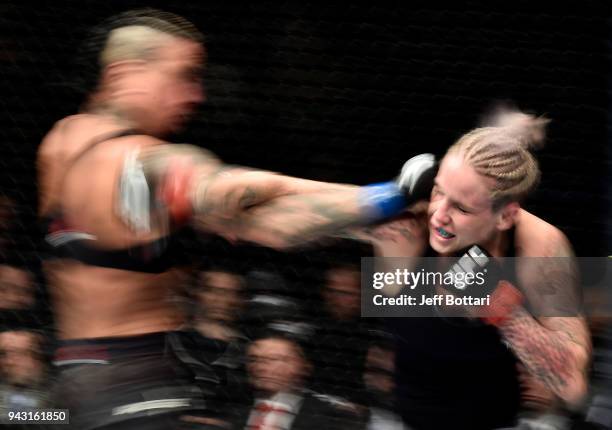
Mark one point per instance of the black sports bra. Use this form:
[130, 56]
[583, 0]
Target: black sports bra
[63, 241]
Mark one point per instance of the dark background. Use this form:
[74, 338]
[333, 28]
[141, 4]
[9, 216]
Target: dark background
[346, 92]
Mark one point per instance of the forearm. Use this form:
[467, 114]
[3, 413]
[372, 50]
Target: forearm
[232, 189]
[257, 206]
[298, 219]
[283, 212]
[558, 358]
[209, 187]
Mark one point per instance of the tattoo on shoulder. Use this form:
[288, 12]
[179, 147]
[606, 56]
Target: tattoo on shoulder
[552, 285]
[155, 159]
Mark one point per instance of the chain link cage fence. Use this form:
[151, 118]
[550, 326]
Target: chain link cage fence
[334, 91]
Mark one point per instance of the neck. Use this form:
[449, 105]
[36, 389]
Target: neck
[121, 113]
[113, 113]
[267, 395]
[498, 245]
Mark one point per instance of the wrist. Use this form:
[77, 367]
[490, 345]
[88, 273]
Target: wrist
[176, 191]
[381, 200]
[504, 302]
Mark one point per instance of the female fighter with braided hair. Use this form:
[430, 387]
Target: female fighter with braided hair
[453, 375]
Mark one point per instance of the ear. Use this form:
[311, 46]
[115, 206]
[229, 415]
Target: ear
[506, 217]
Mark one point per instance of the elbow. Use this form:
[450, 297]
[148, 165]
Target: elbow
[575, 392]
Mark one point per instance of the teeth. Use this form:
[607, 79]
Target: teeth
[444, 233]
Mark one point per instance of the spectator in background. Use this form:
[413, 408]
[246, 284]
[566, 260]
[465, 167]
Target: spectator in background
[271, 300]
[16, 288]
[343, 338]
[23, 371]
[218, 302]
[278, 372]
[342, 292]
[379, 379]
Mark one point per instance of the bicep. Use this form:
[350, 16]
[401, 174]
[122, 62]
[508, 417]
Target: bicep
[158, 159]
[550, 280]
[553, 292]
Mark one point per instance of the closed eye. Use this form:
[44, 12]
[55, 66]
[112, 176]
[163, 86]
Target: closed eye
[462, 209]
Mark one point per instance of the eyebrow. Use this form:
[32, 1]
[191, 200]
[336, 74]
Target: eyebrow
[468, 208]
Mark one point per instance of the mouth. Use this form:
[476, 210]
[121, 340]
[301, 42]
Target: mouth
[442, 233]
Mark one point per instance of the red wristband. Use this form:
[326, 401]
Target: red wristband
[174, 190]
[503, 301]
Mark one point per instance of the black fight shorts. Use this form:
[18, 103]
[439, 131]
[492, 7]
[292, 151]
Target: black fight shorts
[150, 381]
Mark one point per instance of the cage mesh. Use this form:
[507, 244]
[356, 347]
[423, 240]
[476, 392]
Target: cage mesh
[331, 91]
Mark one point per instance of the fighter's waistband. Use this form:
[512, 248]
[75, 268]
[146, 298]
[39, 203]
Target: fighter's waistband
[104, 350]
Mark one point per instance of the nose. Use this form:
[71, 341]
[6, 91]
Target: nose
[440, 215]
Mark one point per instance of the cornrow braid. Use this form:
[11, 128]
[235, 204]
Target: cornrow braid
[502, 151]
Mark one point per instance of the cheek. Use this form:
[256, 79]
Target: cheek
[468, 230]
[256, 370]
[433, 205]
[164, 96]
[292, 373]
[175, 93]
[476, 228]
[160, 91]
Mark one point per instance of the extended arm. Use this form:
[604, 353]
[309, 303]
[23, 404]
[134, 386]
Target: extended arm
[263, 207]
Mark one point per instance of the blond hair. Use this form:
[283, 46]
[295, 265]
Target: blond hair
[501, 150]
[137, 34]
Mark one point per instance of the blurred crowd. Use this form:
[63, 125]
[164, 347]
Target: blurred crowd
[291, 351]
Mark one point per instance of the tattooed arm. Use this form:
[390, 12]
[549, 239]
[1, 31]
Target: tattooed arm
[291, 220]
[554, 345]
[218, 189]
[257, 206]
[403, 236]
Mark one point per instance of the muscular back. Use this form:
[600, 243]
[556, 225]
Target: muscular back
[79, 165]
[80, 185]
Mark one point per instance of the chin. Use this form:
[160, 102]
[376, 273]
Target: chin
[441, 248]
[269, 387]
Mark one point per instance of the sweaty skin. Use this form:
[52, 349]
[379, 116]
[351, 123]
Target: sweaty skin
[262, 207]
[95, 301]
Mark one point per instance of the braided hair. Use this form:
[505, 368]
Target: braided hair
[502, 150]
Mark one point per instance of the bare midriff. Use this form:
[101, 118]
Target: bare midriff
[92, 302]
